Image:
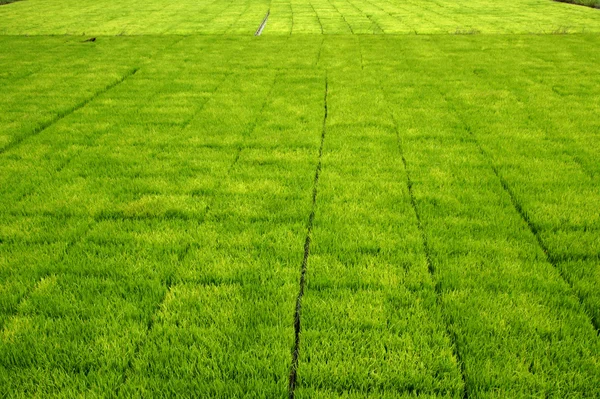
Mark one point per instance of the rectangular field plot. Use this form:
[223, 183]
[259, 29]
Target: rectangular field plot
[371, 320]
[132, 17]
[159, 205]
[45, 79]
[243, 17]
[497, 277]
[367, 17]
[195, 182]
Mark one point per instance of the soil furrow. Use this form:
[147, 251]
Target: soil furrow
[298, 309]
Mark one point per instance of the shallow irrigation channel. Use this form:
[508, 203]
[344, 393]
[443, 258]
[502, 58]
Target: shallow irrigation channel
[311, 218]
[262, 24]
[76, 107]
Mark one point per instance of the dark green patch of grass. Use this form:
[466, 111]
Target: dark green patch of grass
[587, 3]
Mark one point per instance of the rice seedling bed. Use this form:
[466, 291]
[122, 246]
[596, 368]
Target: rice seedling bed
[166, 196]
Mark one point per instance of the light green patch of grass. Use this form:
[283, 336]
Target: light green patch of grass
[182, 192]
[296, 17]
[133, 18]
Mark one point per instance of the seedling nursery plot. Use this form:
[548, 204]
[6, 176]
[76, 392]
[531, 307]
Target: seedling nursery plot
[301, 199]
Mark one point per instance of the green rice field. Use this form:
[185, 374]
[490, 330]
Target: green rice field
[370, 199]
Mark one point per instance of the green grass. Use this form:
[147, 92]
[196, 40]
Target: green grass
[497, 263]
[162, 187]
[93, 17]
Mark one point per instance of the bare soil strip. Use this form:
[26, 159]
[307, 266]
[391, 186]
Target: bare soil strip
[297, 313]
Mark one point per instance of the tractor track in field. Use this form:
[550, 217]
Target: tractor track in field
[342, 16]
[318, 19]
[69, 111]
[7, 2]
[360, 50]
[252, 128]
[369, 17]
[431, 269]
[319, 54]
[298, 309]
